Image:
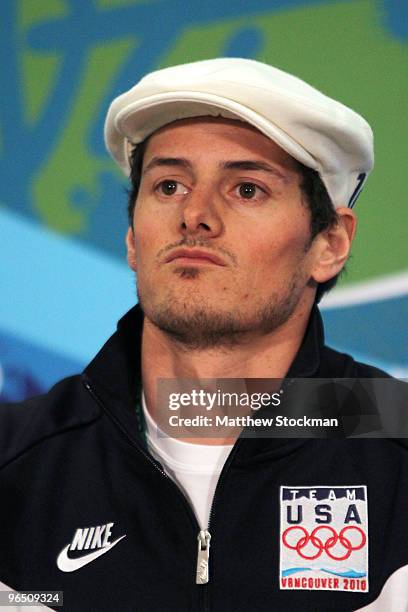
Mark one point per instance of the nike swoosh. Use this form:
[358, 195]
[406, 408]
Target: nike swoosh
[66, 564]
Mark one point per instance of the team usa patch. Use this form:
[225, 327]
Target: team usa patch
[324, 538]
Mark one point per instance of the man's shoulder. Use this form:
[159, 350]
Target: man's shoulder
[380, 400]
[342, 365]
[65, 406]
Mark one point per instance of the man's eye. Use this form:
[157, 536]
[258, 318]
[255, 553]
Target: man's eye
[249, 191]
[170, 187]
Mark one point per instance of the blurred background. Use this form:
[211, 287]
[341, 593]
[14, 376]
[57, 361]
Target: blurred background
[63, 275]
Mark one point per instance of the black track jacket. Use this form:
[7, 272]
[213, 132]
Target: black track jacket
[313, 525]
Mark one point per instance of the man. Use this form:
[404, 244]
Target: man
[243, 182]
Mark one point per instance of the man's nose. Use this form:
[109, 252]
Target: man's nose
[201, 215]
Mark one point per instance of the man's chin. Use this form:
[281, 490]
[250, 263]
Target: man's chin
[196, 328]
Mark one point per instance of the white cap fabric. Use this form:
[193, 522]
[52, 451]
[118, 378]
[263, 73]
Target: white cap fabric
[318, 131]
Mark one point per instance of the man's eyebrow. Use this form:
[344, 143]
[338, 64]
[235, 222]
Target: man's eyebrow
[167, 161]
[249, 164]
[239, 164]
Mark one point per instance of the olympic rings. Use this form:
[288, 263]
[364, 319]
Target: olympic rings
[330, 542]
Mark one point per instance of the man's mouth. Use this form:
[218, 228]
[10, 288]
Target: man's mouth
[194, 256]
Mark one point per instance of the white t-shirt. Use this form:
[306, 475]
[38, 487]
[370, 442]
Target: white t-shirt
[194, 467]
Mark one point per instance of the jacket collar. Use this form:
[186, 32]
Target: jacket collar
[307, 360]
[114, 375]
[117, 366]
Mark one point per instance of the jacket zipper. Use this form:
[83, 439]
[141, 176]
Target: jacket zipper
[210, 516]
[203, 557]
[204, 536]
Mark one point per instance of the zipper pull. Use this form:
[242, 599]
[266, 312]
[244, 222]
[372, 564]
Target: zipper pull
[202, 576]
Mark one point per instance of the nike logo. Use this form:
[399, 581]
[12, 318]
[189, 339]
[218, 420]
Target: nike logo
[90, 537]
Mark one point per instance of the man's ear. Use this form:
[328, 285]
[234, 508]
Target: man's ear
[131, 249]
[333, 246]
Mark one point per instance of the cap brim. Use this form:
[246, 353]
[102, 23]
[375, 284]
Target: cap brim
[138, 120]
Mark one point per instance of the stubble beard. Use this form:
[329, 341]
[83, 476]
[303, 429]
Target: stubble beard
[196, 324]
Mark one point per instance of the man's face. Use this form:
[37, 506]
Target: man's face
[221, 242]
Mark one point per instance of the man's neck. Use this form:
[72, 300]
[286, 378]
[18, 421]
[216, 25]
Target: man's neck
[256, 356]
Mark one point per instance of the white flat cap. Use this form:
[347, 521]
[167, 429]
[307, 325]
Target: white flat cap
[318, 131]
